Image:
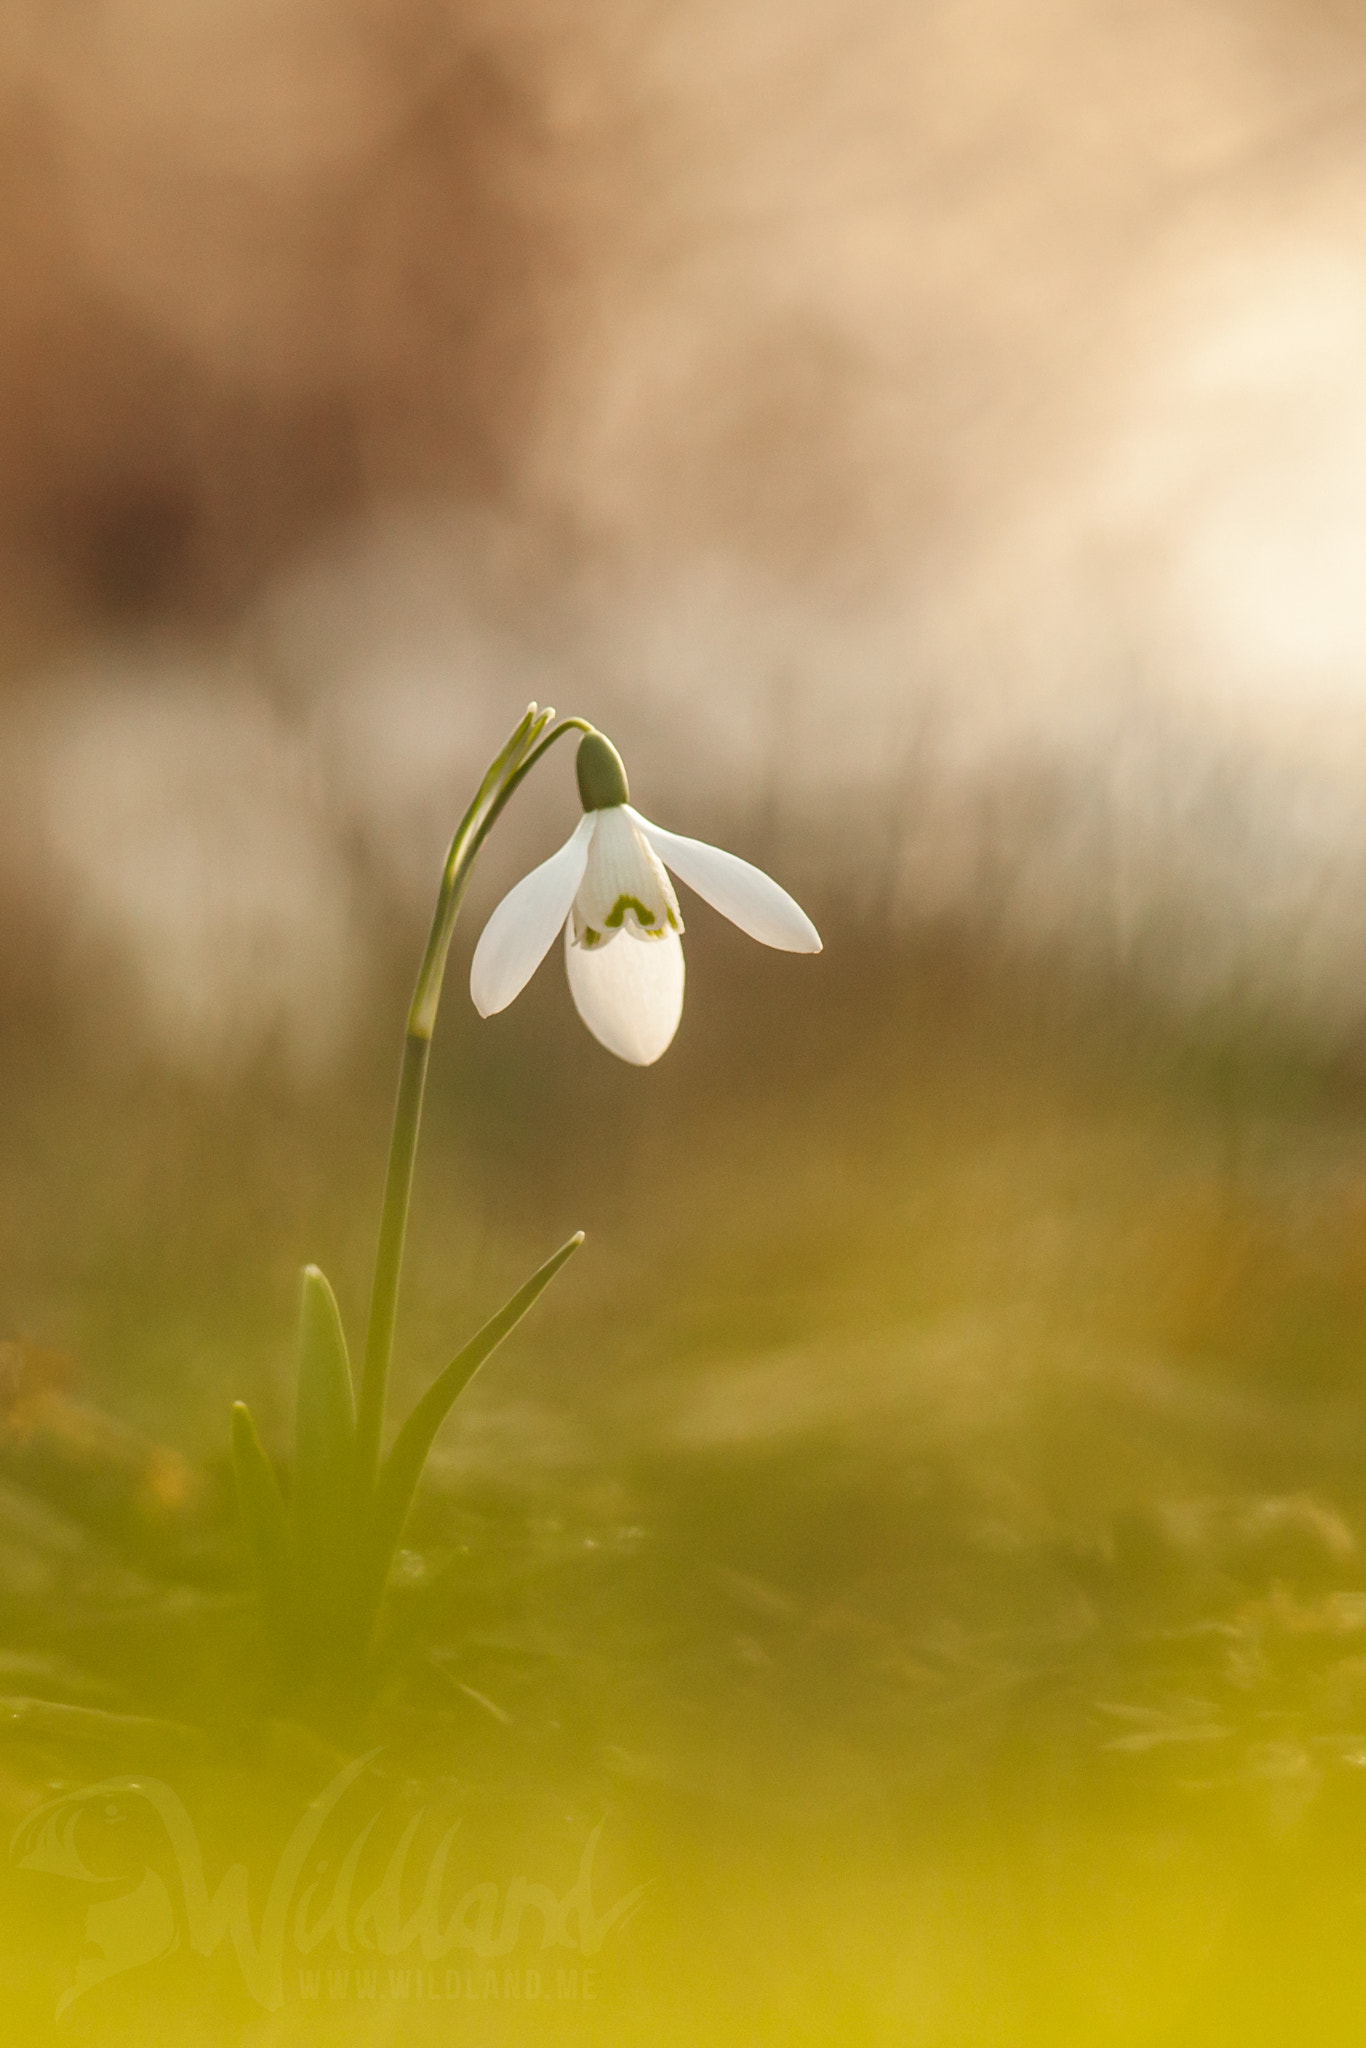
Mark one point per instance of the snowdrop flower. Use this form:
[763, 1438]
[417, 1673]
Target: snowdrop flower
[622, 926]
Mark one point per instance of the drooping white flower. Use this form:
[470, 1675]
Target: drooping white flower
[608, 887]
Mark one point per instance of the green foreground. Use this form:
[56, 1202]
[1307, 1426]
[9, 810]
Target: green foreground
[923, 1529]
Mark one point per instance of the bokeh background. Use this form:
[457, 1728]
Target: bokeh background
[931, 439]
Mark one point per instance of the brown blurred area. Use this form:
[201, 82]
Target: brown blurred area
[924, 425]
[794, 283]
[264, 266]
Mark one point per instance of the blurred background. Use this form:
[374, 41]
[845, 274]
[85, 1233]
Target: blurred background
[931, 440]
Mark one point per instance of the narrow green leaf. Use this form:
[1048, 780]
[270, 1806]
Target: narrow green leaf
[324, 1440]
[408, 1454]
[263, 1518]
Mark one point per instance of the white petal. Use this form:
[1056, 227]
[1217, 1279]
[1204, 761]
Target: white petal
[744, 894]
[630, 997]
[624, 886]
[522, 929]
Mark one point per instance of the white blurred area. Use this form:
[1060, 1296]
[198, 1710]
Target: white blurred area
[932, 441]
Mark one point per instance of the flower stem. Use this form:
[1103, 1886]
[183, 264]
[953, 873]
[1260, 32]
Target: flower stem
[527, 744]
[393, 1229]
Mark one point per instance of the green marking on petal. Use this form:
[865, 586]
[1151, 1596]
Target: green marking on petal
[616, 916]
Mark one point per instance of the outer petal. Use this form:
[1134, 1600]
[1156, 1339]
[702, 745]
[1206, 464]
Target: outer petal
[629, 996]
[744, 894]
[522, 929]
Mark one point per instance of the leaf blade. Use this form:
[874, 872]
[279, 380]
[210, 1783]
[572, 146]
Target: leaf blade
[407, 1455]
[262, 1509]
[324, 1439]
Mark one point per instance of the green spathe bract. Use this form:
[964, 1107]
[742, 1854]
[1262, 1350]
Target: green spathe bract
[601, 773]
[322, 1563]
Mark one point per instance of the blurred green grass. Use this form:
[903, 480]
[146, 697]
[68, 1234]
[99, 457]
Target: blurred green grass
[925, 1520]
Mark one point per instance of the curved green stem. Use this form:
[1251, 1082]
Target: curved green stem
[393, 1229]
[527, 745]
[513, 765]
